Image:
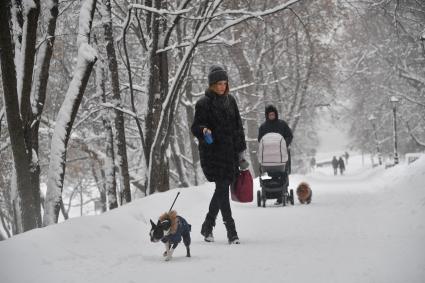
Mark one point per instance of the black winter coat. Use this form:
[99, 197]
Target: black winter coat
[220, 114]
[275, 126]
[341, 163]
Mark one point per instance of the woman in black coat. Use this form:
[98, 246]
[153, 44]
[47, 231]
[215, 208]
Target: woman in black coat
[217, 114]
[275, 125]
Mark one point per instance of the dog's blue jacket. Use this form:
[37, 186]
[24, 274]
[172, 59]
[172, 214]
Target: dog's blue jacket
[183, 231]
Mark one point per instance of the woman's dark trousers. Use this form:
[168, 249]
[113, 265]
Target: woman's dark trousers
[220, 202]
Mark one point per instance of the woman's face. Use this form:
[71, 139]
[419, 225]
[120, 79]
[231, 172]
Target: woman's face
[220, 87]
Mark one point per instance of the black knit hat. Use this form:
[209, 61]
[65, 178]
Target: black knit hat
[217, 74]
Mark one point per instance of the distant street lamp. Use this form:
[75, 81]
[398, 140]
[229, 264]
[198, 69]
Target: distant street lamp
[372, 119]
[394, 101]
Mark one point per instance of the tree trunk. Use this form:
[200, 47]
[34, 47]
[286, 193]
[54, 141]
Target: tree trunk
[65, 119]
[301, 93]
[110, 185]
[178, 162]
[61, 134]
[190, 115]
[189, 110]
[157, 90]
[163, 129]
[27, 211]
[39, 90]
[5, 227]
[100, 182]
[121, 156]
[30, 13]
[64, 211]
[249, 99]
[158, 119]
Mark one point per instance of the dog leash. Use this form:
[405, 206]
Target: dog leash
[174, 201]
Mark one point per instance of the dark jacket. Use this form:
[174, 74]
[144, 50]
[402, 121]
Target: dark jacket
[275, 126]
[220, 114]
[341, 163]
[183, 230]
[335, 162]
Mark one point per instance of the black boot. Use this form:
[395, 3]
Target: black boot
[232, 235]
[207, 228]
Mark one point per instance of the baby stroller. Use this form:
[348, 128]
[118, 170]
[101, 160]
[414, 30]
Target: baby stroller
[274, 181]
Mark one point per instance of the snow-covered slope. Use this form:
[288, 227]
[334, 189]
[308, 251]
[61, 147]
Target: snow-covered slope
[366, 226]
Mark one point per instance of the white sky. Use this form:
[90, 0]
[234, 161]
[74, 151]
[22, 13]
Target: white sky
[333, 136]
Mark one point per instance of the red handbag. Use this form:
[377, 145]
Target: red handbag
[242, 189]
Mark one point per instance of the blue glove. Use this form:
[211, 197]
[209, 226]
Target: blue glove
[208, 138]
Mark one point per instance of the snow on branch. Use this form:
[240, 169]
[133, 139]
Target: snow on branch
[2, 114]
[225, 13]
[85, 22]
[243, 86]
[413, 136]
[224, 41]
[125, 111]
[422, 38]
[246, 16]
[411, 76]
[237, 12]
[408, 98]
[5, 145]
[161, 12]
[86, 117]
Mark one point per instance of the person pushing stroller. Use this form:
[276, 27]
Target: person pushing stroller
[275, 125]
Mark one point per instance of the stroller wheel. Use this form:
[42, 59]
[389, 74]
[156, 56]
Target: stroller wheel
[258, 198]
[284, 199]
[291, 196]
[264, 201]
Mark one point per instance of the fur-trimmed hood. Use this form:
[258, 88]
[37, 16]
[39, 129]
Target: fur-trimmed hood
[172, 217]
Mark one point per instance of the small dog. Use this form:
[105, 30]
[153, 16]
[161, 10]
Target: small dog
[170, 230]
[304, 193]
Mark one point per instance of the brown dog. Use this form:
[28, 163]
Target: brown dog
[304, 193]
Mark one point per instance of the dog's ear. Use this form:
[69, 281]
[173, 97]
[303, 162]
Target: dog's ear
[153, 224]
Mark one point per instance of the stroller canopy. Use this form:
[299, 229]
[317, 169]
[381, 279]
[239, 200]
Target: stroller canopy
[272, 150]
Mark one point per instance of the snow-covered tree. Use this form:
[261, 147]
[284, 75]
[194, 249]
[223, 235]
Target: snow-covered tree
[86, 59]
[383, 55]
[19, 20]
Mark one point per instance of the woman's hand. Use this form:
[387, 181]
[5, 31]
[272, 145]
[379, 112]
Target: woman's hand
[206, 130]
[243, 163]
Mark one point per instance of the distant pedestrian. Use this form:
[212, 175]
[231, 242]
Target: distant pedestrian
[346, 155]
[341, 165]
[312, 163]
[335, 165]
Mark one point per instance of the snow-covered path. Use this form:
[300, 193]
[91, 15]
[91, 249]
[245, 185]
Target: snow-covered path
[367, 226]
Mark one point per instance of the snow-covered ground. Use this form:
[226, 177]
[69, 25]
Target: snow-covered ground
[365, 226]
